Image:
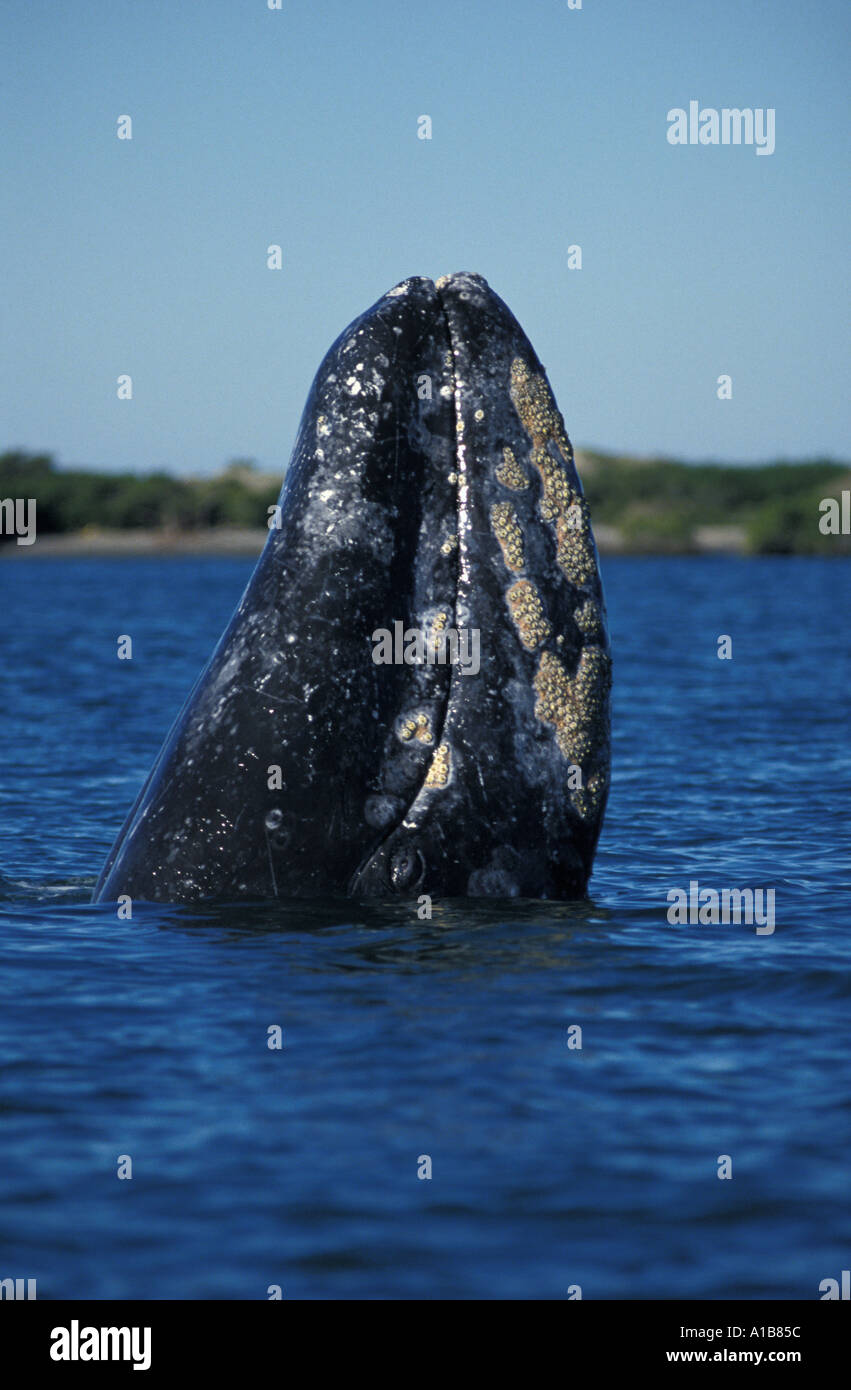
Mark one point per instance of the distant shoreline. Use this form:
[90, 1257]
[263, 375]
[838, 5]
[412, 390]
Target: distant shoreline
[136, 541]
[249, 541]
[638, 507]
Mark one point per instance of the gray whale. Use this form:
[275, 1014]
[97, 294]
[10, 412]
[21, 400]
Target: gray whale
[432, 490]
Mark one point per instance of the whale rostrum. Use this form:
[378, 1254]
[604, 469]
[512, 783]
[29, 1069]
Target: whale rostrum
[412, 696]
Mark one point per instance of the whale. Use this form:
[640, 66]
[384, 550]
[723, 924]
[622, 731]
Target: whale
[413, 694]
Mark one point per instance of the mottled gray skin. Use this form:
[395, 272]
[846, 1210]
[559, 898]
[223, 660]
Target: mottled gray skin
[385, 515]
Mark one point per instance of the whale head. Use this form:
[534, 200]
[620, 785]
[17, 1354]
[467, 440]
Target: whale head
[412, 696]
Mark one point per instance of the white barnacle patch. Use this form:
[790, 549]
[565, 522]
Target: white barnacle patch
[353, 385]
[416, 726]
[440, 767]
[327, 494]
[400, 289]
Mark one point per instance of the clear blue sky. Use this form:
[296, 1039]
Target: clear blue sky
[299, 127]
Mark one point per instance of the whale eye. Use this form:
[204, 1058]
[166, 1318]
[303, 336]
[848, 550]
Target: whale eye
[407, 867]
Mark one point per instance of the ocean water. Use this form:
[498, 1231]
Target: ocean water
[551, 1166]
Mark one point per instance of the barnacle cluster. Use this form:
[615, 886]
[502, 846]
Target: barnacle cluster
[417, 727]
[527, 612]
[577, 707]
[507, 530]
[561, 504]
[510, 473]
[438, 772]
[574, 547]
[589, 620]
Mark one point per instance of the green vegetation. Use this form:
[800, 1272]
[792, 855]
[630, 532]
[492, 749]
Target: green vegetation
[659, 504]
[71, 499]
[653, 504]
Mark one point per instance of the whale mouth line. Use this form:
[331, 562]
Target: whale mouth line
[404, 818]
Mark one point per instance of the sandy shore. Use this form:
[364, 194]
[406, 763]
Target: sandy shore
[244, 540]
[221, 540]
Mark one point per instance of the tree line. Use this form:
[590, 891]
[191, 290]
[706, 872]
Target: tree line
[656, 504]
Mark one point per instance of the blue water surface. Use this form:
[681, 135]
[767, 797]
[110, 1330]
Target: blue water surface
[551, 1167]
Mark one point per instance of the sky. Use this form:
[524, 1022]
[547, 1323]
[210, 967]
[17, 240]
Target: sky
[298, 127]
